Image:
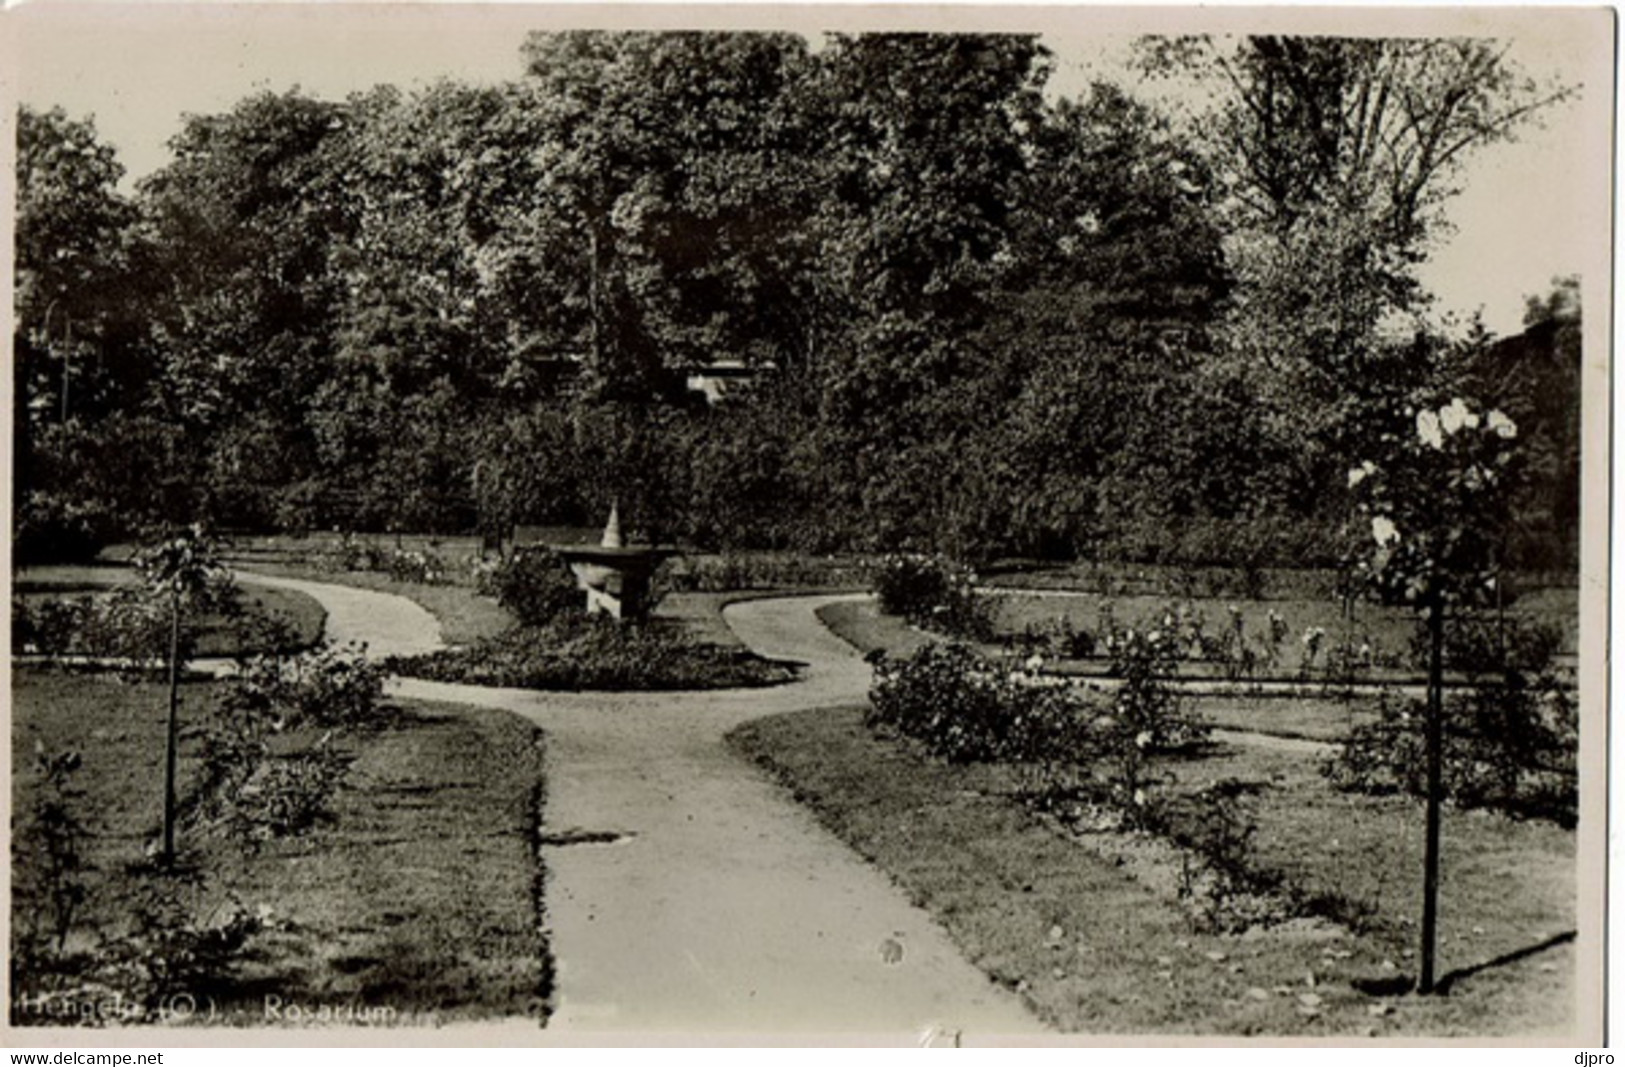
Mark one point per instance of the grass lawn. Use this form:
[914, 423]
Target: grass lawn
[860, 624]
[421, 896]
[1096, 947]
[1283, 716]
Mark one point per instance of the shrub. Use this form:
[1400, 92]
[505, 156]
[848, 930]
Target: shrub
[730, 571]
[269, 760]
[1221, 882]
[328, 686]
[1145, 658]
[178, 945]
[411, 565]
[536, 585]
[1483, 643]
[125, 624]
[1509, 745]
[967, 708]
[55, 529]
[1059, 638]
[51, 886]
[934, 593]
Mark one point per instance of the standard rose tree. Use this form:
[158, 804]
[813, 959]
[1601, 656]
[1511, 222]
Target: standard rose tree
[1437, 504]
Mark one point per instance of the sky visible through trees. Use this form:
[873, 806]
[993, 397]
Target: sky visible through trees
[1517, 228]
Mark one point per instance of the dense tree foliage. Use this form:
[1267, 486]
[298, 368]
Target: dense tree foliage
[1337, 156]
[982, 319]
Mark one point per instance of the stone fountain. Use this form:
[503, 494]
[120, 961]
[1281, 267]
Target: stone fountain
[614, 575]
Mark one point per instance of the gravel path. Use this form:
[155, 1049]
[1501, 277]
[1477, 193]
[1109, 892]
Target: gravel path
[686, 892]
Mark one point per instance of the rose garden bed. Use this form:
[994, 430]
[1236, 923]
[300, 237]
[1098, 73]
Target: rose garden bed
[370, 917]
[1090, 929]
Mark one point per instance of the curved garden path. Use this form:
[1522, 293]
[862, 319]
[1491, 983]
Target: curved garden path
[686, 892]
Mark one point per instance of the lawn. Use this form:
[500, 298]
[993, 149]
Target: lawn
[421, 896]
[1086, 928]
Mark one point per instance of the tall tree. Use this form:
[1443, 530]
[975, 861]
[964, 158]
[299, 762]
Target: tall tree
[245, 216]
[73, 243]
[1338, 156]
[923, 140]
[80, 365]
[662, 151]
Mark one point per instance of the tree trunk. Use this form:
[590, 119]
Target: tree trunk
[171, 752]
[595, 303]
[1435, 786]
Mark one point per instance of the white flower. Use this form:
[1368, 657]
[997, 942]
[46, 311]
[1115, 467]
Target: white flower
[1504, 427]
[1035, 663]
[1139, 798]
[1384, 530]
[1142, 739]
[1428, 429]
[1457, 415]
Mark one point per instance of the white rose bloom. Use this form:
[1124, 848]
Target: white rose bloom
[1384, 530]
[1428, 429]
[1504, 427]
[1454, 416]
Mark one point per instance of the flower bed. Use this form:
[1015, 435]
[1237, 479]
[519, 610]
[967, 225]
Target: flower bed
[589, 652]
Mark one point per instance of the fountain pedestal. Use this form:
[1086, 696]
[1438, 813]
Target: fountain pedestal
[614, 576]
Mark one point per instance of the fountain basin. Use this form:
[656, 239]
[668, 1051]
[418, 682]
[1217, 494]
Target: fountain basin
[615, 579]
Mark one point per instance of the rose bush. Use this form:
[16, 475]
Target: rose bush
[935, 593]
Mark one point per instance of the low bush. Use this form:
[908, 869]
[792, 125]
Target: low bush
[595, 652]
[1059, 638]
[130, 623]
[935, 593]
[125, 624]
[1145, 658]
[55, 529]
[51, 887]
[352, 553]
[535, 584]
[181, 949]
[1222, 885]
[270, 756]
[1509, 745]
[967, 708]
[1483, 643]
